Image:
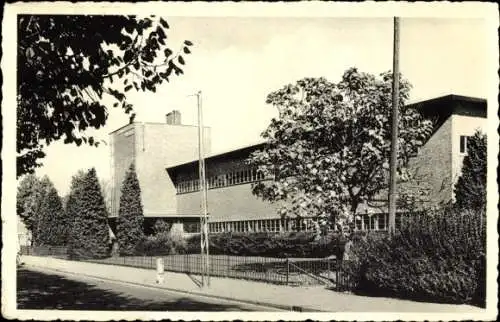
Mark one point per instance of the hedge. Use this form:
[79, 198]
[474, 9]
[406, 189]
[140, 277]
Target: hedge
[295, 244]
[437, 256]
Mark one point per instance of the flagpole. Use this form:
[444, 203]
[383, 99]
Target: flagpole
[394, 130]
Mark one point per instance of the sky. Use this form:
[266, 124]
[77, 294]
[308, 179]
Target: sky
[237, 61]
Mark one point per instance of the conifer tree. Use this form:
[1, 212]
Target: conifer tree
[130, 230]
[90, 226]
[72, 209]
[470, 189]
[53, 225]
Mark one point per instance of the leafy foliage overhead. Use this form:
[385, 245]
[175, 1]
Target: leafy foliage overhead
[329, 150]
[68, 63]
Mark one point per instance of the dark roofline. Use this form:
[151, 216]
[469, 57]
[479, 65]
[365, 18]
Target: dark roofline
[432, 101]
[155, 123]
[447, 98]
[121, 127]
[219, 155]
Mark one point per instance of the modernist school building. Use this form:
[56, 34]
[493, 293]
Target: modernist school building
[166, 160]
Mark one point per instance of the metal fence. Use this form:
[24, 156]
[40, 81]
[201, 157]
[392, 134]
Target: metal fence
[329, 272]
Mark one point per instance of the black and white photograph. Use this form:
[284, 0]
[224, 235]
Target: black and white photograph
[250, 161]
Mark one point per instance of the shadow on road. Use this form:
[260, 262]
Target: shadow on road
[46, 291]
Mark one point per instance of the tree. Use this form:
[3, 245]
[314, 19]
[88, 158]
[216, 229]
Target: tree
[68, 63]
[90, 234]
[73, 210]
[329, 149]
[130, 221]
[470, 189]
[31, 194]
[25, 192]
[53, 225]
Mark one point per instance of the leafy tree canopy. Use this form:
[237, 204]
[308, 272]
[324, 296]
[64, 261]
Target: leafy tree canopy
[329, 149]
[31, 193]
[470, 189]
[25, 193]
[68, 63]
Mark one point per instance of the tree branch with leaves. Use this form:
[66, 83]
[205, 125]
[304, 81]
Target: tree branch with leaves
[67, 64]
[328, 152]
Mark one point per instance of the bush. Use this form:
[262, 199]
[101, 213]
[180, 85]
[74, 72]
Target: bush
[438, 256]
[295, 244]
[162, 244]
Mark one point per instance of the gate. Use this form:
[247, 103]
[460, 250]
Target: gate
[329, 272]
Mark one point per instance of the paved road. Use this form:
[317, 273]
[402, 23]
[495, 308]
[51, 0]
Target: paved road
[45, 289]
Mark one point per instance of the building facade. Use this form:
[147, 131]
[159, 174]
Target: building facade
[166, 162]
[151, 147]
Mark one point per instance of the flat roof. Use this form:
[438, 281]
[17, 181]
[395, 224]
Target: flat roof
[252, 146]
[154, 123]
[450, 97]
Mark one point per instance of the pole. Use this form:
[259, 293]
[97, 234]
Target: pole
[394, 138]
[205, 280]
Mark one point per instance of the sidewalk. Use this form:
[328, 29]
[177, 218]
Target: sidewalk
[315, 299]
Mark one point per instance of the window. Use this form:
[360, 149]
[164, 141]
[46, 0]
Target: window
[374, 222]
[366, 222]
[463, 144]
[224, 180]
[382, 222]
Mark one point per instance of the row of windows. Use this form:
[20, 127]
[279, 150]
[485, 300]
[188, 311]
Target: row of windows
[373, 222]
[261, 225]
[377, 222]
[224, 180]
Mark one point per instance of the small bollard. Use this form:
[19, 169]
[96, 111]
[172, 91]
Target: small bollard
[160, 269]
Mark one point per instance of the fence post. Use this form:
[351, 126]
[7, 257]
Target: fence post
[287, 270]
[328, 267]
[160, 269]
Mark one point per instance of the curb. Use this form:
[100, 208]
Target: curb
[292, 308]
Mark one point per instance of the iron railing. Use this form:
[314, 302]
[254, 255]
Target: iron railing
[329, 272]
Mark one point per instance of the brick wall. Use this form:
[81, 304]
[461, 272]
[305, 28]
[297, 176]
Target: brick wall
[433, 165]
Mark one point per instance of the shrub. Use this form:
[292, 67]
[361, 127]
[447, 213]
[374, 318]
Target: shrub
[294, 244]
[162, 244]
[438, 256]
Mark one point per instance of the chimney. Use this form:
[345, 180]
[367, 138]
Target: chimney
[174, 117]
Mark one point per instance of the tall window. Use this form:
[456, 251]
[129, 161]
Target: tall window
[463, 143]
